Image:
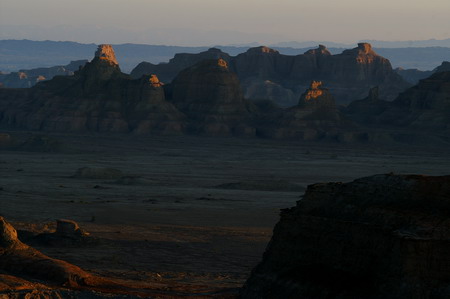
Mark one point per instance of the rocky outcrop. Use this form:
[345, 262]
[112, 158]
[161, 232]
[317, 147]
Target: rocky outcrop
[384, 236]
[210, 95]
[168, 71]
[29, 78]
[28, 273]
[425, 106]
[365, 111]
[17, 258]
[98, 97]
[315, 117]
[348, 75]
[106, 53]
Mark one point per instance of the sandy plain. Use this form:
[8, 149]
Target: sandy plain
[193, 215]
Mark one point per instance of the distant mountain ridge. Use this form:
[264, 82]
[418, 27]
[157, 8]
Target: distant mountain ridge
[27, 54]
[374, 43]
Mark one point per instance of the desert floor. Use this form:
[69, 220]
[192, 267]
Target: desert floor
[193, 214]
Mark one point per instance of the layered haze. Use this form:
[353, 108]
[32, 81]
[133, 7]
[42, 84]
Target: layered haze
[201, 22]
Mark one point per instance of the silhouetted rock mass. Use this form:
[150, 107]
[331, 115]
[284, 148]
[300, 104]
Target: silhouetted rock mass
[315, 117]
[365, 111]
[413, 76]
[98, 97]
[29, 78]
[426, 105]
[423, 106]
[168, 71]
[210, 95]
[384, 236]
[266, 74]
[444, 67]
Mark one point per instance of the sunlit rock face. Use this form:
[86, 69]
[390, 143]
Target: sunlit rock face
[106, 53]
[379, 237]
[210, 95]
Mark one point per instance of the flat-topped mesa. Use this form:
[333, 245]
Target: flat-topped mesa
[321, 50]
[366, 48]
[106, 52]
[364, 54]
[262, 49]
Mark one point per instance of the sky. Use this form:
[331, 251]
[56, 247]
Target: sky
[212, 22]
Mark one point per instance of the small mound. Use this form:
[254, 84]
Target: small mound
[264, 185]
[104, 173]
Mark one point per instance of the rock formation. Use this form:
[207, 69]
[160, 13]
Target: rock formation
[210, 95]
[426, 105]
[413, 76]
[423, 106]
[266, 74]
[168, 71]
[27, 273]
[29, 78]
[17, 258]
[384, 236]
[106, 53]
[98, 97]
[315, 116]
[365, 111]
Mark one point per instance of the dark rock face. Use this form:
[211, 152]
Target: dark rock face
[99, 97]
[366, 110]
[348, 75]
[210, 95]
[444, 67]
[315, 116]
[385, 236]
[413, 76]
[425, 106]
[29, 78]
[168, 71]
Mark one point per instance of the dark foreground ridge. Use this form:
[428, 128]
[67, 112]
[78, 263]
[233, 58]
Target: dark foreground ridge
[384, 236]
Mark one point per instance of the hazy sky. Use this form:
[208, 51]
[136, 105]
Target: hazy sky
[209, 22]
